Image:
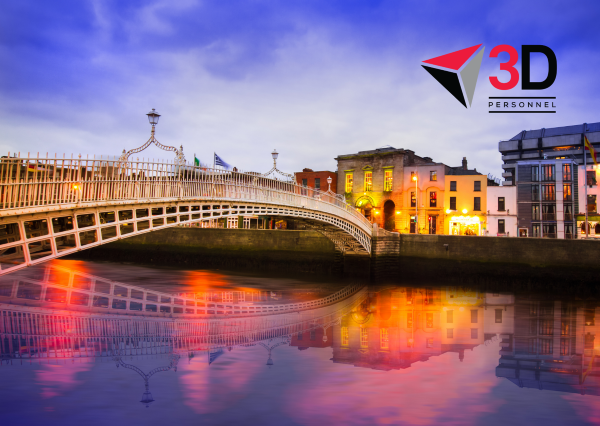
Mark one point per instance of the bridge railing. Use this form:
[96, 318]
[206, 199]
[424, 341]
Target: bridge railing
[33, 182]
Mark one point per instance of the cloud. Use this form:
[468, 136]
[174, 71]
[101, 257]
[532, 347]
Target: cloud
[240, 78]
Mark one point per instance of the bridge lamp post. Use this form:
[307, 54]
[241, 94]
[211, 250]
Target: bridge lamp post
[329, 180]
[153, 117]
[416, 203]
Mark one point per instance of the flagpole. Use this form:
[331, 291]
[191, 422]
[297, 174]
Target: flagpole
[586, 185]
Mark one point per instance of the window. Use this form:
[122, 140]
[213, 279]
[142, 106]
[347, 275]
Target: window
[535, 173]
[345, 336]
[413, 199]
[452, 185]
[548, 192]
[474, 317]
[364, 338]
[430, 342]
[535, 212]
[317, 183]
[548, 212]
[450, 333]
[304, 182]
[452, 203]
[313, 335]
[501, 205]
[591, 177]
[567, 174]
[474, 333]
[501, 227]
[409, 320]
[498, 316]
[349, 182]
[568, 231]
[567, 196]
[388, 181]
[477, 204]
[548, 172]
[384, 338]
[536, 233]
[368, 181]
[299, 336]
[428, 320]
[477, 187]
[591, 204]
[535, 193]
[568, 209]
[433, 199]
[433, 176]
[449, 317]
[549, 230]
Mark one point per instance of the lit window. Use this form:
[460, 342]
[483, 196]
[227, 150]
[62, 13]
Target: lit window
[349, 182]
[433, 175]
[388, 180]
[429, 320]
[364, 338]
[345, 336]
[368, 181]
[409, 320]
[317, 183]
[413, 199]
[433, 199]
[384, 338]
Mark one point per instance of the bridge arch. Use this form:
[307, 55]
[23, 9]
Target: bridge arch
[94, 202]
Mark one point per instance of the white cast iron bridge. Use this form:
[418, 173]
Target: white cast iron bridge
[52, 207]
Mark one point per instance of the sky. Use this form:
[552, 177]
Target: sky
[312, 79]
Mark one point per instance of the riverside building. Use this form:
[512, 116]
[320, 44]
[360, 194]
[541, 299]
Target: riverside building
[374, 183]
[547, 166]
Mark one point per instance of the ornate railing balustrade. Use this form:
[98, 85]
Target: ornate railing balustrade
[51, 207]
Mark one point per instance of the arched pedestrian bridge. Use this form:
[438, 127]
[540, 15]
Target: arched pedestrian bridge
[51, 207]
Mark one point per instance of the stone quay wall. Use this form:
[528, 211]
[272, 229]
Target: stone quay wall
[234, 249]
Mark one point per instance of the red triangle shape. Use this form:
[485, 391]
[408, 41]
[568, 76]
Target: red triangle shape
[453, 60]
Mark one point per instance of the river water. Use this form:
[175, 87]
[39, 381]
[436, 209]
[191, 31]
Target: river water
[386, 354]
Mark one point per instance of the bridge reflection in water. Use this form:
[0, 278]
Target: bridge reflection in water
[543, 344]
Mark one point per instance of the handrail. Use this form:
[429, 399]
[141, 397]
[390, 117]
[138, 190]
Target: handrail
[40, 182]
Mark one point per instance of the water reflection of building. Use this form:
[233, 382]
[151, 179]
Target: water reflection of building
[397, 327]
[554, 346]
[314, 338]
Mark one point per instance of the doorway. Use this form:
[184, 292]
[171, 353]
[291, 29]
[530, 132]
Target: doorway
[433, 224]
[389, 215]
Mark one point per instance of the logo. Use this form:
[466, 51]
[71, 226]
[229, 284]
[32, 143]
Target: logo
[457, 72]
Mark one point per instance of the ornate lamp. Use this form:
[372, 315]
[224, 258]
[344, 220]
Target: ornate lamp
[287, 176]
[329, 180]
[153, 117]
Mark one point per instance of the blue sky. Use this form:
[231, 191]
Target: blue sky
[313, 79]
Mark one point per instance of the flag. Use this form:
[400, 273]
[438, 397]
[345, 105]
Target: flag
[219, 162]
[196, 161]
[589, 147]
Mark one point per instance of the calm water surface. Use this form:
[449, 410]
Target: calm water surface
[378, 355]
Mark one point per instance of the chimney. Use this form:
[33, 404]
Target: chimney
[465, 163]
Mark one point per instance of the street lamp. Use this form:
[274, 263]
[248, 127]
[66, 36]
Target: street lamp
[153, 117]
[288, 176]
[329, 180]
[416, 203]
[275, 154]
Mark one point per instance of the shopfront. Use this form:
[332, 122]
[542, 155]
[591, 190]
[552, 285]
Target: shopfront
[465, 225]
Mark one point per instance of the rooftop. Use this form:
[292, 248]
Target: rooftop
[557, 131]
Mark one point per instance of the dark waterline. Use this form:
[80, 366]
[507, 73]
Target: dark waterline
[389, 358]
